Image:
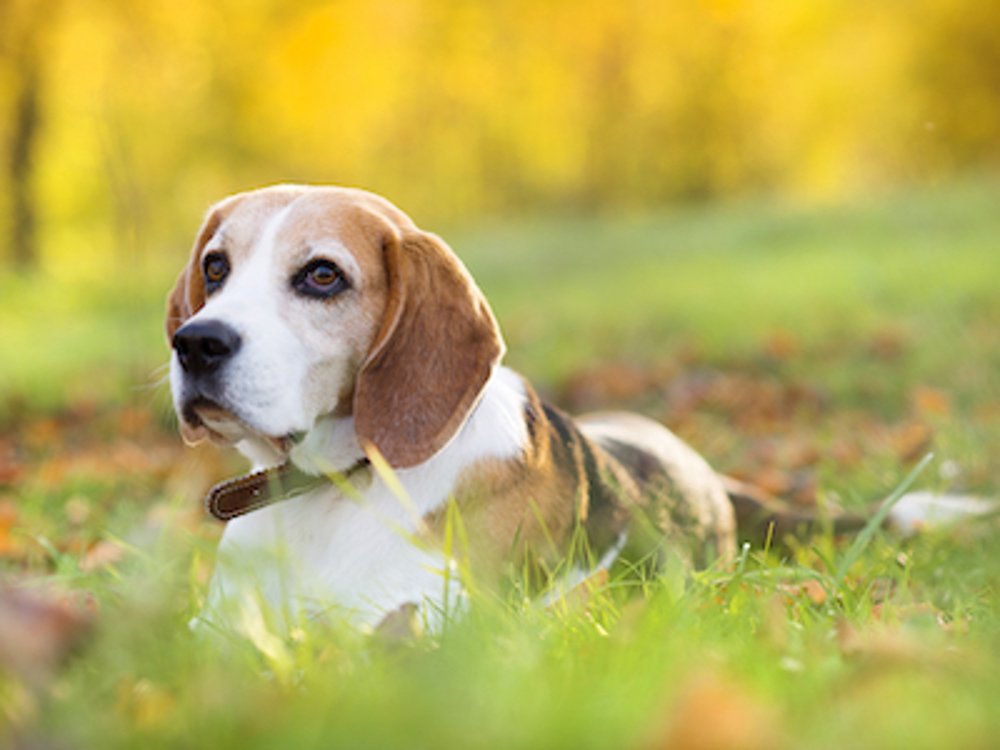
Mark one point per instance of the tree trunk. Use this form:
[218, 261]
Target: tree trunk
[23, 240]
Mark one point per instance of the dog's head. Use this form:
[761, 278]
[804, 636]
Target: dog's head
[300, 303]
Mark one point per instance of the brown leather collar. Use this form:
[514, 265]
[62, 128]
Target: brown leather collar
[244, 494]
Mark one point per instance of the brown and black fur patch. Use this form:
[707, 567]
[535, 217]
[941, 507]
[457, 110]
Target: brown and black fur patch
[569, 497]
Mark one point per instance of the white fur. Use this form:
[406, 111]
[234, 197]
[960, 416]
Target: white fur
[267, 384]
[323, 550]
[918, 510]
[272, 356]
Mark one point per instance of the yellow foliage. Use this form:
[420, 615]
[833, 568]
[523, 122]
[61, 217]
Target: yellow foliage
[458, 108]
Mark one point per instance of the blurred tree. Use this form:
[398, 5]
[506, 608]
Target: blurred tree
[957, 67]
[459, 108]
[22, 25]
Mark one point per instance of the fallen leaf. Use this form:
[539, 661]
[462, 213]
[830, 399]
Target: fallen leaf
[8, 520]
[37, 632]
[781, 345]
[101, 554]
[798, 452]
[614, 384]
[715, 713]
[885, 611]
[846, 452]
[931, 400]
[134, 421]
[883, 645]
[42, 434]
[912, 441]
[12, 471]
[810, 589]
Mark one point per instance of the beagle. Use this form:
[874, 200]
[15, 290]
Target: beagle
[352, 358]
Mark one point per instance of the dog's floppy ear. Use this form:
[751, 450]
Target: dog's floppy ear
[436, 349]
[188, 294]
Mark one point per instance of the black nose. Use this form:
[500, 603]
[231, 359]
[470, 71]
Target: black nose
[203, 346]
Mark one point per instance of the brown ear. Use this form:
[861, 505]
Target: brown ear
[436, 349]
[188, 295]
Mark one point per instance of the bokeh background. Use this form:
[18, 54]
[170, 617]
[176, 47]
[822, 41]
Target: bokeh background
[773, 225]
[120, 120]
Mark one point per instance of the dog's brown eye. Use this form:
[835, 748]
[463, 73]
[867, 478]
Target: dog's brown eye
[321, 279]
[216, 269]
[323, 276]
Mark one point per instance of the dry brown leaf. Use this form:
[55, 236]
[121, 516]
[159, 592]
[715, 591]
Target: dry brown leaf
[134, 421]
[902, 612]
[889, 643]
[912, 441]
[42, 433]
[798, 452]
[781, 345]
[12, 471]
[612, 384]
[810, 589]
[8, 520]
[101, 554]
[814, 590]
[845, 451]
[882, 647]
[931, 400]
[714, 713]
[38, 631]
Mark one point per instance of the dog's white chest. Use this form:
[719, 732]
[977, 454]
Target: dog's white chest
[360, 558]
[324, 553]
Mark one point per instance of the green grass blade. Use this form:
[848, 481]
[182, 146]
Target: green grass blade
[875, 523]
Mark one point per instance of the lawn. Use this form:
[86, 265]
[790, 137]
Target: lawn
[823, 353]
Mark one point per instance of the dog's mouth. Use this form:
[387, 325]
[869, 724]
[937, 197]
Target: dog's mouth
[204, 418]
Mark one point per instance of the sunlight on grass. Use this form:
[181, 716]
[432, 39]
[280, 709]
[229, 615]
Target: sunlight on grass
[884, 316]
[609, 669]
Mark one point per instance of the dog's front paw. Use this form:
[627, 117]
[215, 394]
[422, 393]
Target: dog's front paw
[400, 627]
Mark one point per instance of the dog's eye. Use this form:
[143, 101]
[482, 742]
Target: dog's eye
[216, 269]
[321, 279]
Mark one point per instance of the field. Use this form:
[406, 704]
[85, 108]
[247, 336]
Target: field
[830, 354]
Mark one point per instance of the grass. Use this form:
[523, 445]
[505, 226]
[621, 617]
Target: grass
[820, 673]
[729, 278]
[885, 315]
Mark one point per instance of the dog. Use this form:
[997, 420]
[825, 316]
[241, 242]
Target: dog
[352, 358]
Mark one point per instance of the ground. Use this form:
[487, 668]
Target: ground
[822, 353]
